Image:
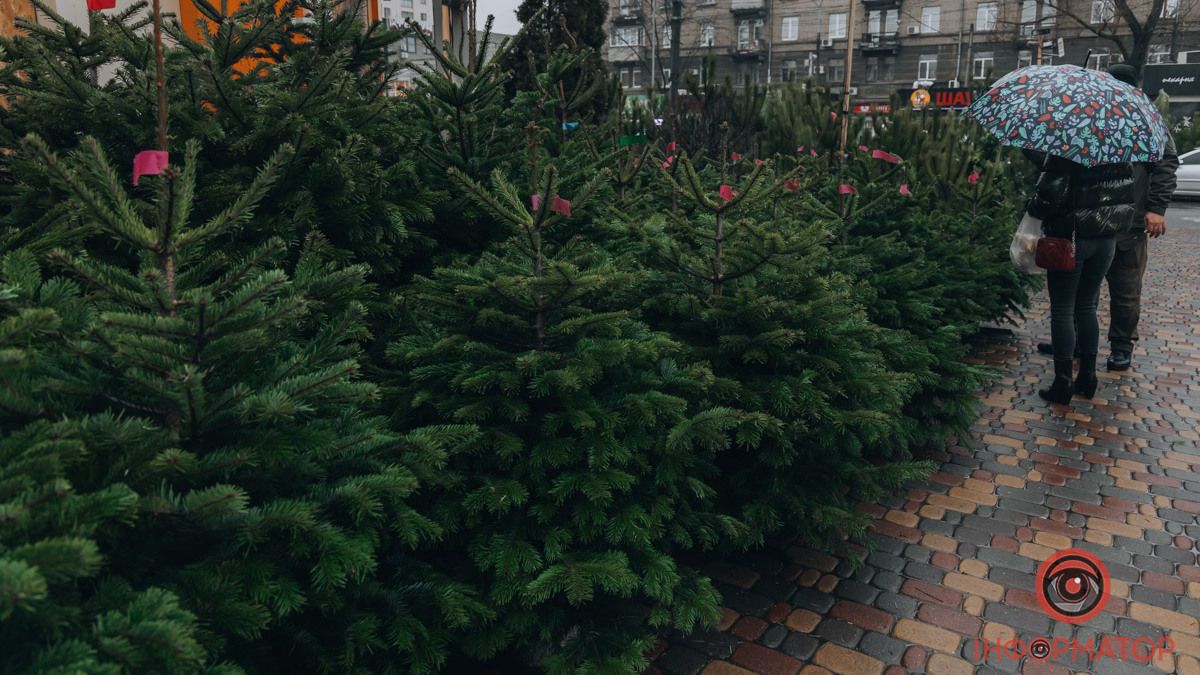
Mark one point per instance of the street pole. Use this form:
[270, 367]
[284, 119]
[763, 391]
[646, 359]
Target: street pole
[655, 41]
[962, 18]
[850, 27]
[676, 23]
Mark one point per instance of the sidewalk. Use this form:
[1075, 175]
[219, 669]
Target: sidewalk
[1118, 476]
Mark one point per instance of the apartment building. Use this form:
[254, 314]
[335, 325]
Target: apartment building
[898, 44]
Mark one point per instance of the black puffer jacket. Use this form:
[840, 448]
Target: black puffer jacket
[1094, 202]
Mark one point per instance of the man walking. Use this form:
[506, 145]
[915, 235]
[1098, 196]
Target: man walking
[1155, 182]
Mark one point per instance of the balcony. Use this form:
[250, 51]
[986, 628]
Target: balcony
[879, 43]
[748, 7]
[753, 50]
[628, 14]
[881, 4]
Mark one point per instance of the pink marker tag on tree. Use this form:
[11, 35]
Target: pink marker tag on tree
[560, 206]
[535, 203]
[97, 5]
[846, 189]
[149, 163]
[885, 156]
[904, 191]
[973, 178]
[799, 149]
[736, 156]
[792, 185]
[727, 192]
[862, 148]
[671, 146]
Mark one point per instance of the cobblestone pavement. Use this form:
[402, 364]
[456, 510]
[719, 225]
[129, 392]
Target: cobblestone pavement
[955, 559]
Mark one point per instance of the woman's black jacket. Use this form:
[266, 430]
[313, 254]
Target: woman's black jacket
[1093, 202]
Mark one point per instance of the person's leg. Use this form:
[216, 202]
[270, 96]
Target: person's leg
[1094, 257]
[1063, 287]
[1125, 289]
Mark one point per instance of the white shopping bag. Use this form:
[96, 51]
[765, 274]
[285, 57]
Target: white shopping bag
[1023, 249]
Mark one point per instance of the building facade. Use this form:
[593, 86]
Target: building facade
[898, 44]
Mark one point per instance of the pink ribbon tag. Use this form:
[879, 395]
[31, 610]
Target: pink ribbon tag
[758, 162]
[727, 192]
[560, 206]
[862, 148]
[97, 5]
[535, 202]
[148, 163]
[885, 156]
[736, 156]
[846, 189]
[671, 146]
[792, 185]
[812, 152]
[670, 160]
[973, 178]
[904, 191]
[799, 149]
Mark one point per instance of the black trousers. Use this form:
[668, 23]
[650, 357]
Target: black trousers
[1073, 299]
[1125, 289]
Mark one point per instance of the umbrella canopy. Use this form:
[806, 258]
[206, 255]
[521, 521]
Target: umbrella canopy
[1086, 116]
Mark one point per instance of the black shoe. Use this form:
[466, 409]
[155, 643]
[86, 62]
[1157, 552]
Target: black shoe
[1085, 384]
[1047, 348]
[1059, 392]
[1120, 360]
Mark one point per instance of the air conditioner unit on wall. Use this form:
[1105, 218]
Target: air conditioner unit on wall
[827, 42]
[914, 30]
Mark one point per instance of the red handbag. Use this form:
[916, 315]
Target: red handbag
[1055, 254]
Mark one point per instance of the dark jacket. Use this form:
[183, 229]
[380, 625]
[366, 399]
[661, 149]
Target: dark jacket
[1093, 202]
[1154, 183]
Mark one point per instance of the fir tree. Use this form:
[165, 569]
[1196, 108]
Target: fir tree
[588, 470]
[224, 388]
[755, 294]
[546, 24]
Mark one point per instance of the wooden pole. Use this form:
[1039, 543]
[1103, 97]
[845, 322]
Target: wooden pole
[846, 80]
[160, 77]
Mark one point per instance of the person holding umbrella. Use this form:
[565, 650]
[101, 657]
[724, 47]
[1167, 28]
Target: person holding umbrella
[1085, 128]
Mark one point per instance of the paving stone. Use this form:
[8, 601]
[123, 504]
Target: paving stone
[856, 591]
[812, 599]
[896, 604]
[930, 573]
[800, 646]
[841, 632]
[887, 581]
[886, 649]
[680, 660]
[1015, 616]
[774, 636]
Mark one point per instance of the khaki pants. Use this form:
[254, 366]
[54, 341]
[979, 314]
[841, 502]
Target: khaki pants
[1125, 290]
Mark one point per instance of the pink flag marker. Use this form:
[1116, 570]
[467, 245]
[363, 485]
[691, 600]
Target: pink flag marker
[727, 192]
[812, 152]
[792, 185]
[862, 148]
[97, 5]
[846, 189]
[904, 191]
[560, 206]
[885, 156]
[799, 149]
[670, 160]
[973, 178]
[758, 162]
[148, 163]
[736, 156]
[535, 203]
[671, 146]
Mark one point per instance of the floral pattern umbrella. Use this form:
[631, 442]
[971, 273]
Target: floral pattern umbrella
[1086, 116]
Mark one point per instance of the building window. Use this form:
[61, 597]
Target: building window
[835, 72]
[697, 74]
[1049, 13]
[1024, 58]
[410, 44]
[666, 41]
[424, 16]
[706, 35]
[872, 69]
[631, 78]
[1028, 16]
[1170, 9]
[931, 19]
[1159, 54]
[985, 16]
[837, 26]
[749, 31]
[406, 16]
[927, 67]
[627, 36]
[666, 73]
[708, 2]
[790, 70]
[406, 3]
[1101, 61]
[791, 28]
[1102, 11]
[630, 6]
[982, 66]
[887, 69]
[883, 22]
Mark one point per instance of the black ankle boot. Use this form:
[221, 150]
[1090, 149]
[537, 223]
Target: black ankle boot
[1086, 382]
[1059, 392]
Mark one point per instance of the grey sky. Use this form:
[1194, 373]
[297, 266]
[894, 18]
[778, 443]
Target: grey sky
[506, 14]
